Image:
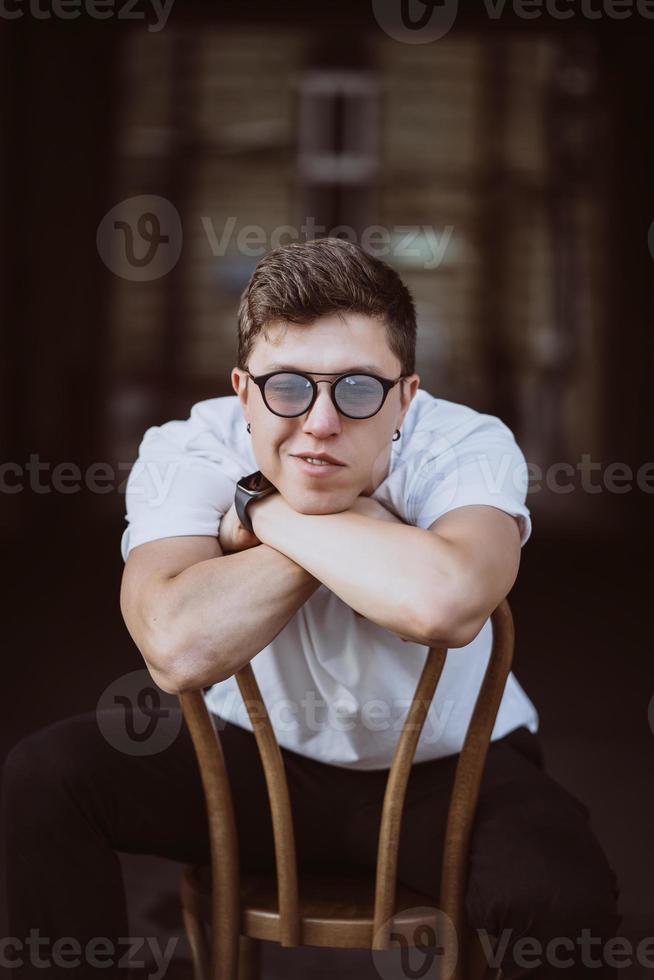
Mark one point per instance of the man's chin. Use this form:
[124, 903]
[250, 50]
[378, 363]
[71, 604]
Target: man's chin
[319, 501]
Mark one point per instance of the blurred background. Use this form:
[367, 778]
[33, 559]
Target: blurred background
[505, 168]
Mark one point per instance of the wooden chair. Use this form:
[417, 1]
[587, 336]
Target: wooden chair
[342, 908]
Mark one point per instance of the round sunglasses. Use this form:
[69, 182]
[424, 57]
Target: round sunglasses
[292, 393]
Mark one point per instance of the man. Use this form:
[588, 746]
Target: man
[392, 521]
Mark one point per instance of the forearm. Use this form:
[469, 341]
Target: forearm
[399, 576]
[224, 611]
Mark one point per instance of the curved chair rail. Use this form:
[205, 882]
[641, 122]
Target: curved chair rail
[223, 839]
[280, 807]
[465, 790]
[398, 777]
[467, 781]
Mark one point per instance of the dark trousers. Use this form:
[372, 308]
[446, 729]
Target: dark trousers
[71, 799]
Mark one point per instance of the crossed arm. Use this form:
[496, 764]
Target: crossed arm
[435, 586]
[197, 615]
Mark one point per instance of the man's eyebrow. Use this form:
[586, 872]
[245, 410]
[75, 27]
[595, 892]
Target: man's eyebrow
[366, 368]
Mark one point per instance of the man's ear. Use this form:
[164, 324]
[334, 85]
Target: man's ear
[408, 389]
[239, 381]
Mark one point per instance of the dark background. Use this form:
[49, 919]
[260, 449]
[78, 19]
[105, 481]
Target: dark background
[531, 139]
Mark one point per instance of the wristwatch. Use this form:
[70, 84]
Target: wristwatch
[249, 488]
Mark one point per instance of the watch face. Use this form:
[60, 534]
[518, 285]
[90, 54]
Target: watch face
[255, 482]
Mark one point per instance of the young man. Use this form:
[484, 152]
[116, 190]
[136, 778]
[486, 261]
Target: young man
[391, 521]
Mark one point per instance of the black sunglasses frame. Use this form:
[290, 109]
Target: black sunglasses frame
[386, 384]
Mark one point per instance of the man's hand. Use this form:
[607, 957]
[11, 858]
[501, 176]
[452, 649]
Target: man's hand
[232, 536]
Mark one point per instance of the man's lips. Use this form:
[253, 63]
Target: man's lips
[317, 469]
[324, 456]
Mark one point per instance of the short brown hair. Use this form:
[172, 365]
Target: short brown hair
[302, 281]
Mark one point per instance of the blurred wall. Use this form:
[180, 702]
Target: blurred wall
[504, 170]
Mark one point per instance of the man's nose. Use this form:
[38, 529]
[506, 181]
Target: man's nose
[324, 418]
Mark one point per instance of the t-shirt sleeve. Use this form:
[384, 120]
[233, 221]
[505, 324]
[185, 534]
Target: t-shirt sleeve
[182, 483]
[478, 462]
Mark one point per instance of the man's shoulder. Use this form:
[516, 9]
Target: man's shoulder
[429, 414]
[222, 416]
[213, 420]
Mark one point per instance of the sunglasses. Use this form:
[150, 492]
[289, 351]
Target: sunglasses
[292, 393]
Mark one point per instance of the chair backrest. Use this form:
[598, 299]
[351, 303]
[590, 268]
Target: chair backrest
[463, 801]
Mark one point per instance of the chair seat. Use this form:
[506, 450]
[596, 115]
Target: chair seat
[326, 918]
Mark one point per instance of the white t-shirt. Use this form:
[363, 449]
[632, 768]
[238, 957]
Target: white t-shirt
[337, 686]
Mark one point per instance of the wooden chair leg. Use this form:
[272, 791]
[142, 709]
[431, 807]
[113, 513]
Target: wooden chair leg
[197, 939]
[249, 958]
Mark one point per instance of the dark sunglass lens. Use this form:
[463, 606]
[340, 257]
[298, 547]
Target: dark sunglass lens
[288, 394]
[358, 395]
